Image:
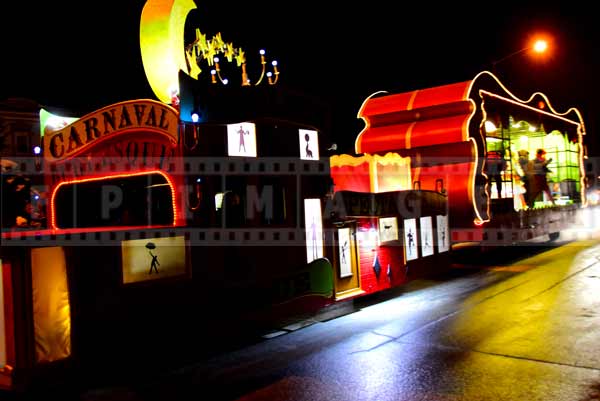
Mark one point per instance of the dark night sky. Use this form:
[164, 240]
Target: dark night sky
[85, 56]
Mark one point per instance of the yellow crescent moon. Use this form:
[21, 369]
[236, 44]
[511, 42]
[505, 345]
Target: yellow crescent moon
[162, 27]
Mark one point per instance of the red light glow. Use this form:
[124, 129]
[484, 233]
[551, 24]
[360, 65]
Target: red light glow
[110, 177]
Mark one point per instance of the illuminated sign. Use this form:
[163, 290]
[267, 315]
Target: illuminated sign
[309, 144]
[410, 239]
[314, 229]
[103, 179]
[147, 115]
[442, 233]
[153, 258]
[426, 236]
[241, 139]
[344, 245]
[388, 229]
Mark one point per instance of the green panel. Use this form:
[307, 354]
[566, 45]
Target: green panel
[315, 278]
[321, 277]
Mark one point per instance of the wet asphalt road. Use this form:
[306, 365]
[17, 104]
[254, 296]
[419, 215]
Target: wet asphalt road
[520, 323]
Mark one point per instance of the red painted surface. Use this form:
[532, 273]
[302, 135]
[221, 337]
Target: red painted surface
[416, 99]
[432, 127]
[420, 118]
[351, 178]
[391, 254]
[452, 167]
[442, 94]
[414, 134]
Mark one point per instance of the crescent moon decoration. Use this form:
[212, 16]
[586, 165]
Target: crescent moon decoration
[162, 27]
[164, 53]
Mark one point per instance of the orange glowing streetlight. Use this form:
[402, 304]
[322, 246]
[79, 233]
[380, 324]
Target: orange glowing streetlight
[538, 46]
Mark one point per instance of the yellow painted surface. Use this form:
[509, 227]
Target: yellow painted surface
[162, 27]
[139, 263]
[390, 172]
[51, 308]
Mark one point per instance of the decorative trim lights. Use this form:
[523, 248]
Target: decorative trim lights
[206, 51]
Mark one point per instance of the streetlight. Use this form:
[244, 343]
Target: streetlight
[539, 46]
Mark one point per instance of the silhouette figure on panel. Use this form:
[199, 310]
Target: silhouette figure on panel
[411, 242]
[313, 229]
[444, 237]
[308, 151]
[344, 248]
[154, 264]
[242, 143]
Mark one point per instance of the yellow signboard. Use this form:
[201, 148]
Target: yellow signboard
[109, 121]
[154, 258]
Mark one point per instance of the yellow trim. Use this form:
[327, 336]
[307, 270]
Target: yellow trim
[349, 293]
[582, 175]
[559, 116]
[572, 109]
[373, 161]
[471, 188]
[467, 122]
[411, 101]
[408, 136]
[357, 148]
[373, 181]
[468, 90]
[353, 161]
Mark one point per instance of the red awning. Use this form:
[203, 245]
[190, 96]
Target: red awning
[418, 118]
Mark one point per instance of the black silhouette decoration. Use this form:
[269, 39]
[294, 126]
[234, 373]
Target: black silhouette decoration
[377, 266]
[242, 132]
[309, 152]
[411, 242]
[344, 248]
[154, 264]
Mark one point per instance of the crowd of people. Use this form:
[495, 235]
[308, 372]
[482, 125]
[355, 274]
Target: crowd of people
[21, 205]
[533, 174]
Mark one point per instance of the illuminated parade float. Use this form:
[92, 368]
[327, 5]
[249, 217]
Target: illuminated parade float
[204, 205]
[220, 199]
[453, 134]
